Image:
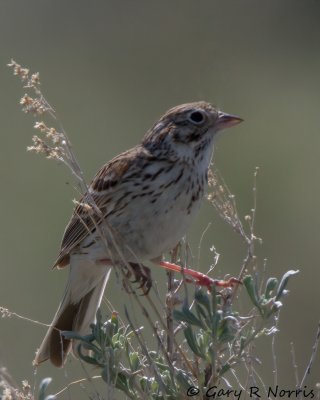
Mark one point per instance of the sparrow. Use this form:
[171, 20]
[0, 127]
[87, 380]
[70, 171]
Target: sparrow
[137, 208]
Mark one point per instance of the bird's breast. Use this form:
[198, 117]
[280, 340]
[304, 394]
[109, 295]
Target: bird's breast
[157, 213]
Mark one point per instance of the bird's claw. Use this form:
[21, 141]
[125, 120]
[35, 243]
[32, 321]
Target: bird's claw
[142, 275]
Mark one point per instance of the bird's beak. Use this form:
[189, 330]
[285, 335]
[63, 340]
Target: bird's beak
[227, 120]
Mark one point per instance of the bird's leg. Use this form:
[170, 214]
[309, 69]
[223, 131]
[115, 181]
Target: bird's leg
[200, 278]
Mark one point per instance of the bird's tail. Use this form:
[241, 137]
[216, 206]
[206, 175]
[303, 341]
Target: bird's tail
[82, 297]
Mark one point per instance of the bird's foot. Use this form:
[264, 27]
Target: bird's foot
[139, 272]
[142, 275]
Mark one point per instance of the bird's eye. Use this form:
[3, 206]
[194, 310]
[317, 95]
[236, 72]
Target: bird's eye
[196, 117]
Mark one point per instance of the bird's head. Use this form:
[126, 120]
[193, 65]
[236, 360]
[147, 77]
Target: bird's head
[187, 131]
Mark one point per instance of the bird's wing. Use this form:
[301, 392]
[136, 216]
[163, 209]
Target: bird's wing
[104, 187]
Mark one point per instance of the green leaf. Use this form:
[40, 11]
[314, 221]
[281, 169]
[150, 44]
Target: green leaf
[43, 387]
[270, 286]
[88, 359]
[187, 316]
[214, 298]
[75, 336]
[123, 384]
[203, 299]
[251, 289]
[204, 341]
[227, 329]
[183, 380]
[284, 281]
[134, 361]
[109, 329]
[202, 315]
[217, 316]
[108, 374]
[224, 369]
[192, 341]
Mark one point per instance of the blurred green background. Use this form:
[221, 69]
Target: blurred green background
[111, 68]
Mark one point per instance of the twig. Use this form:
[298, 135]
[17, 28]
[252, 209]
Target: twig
[312, 357]
[201, 239]
[76, 383]
[294, 364]
[274, 353]
[5, 312]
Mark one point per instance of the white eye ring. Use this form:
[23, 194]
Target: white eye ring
[196, 117]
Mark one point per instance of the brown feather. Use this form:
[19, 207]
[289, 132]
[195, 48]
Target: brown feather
[106, 182]
[60, 346]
